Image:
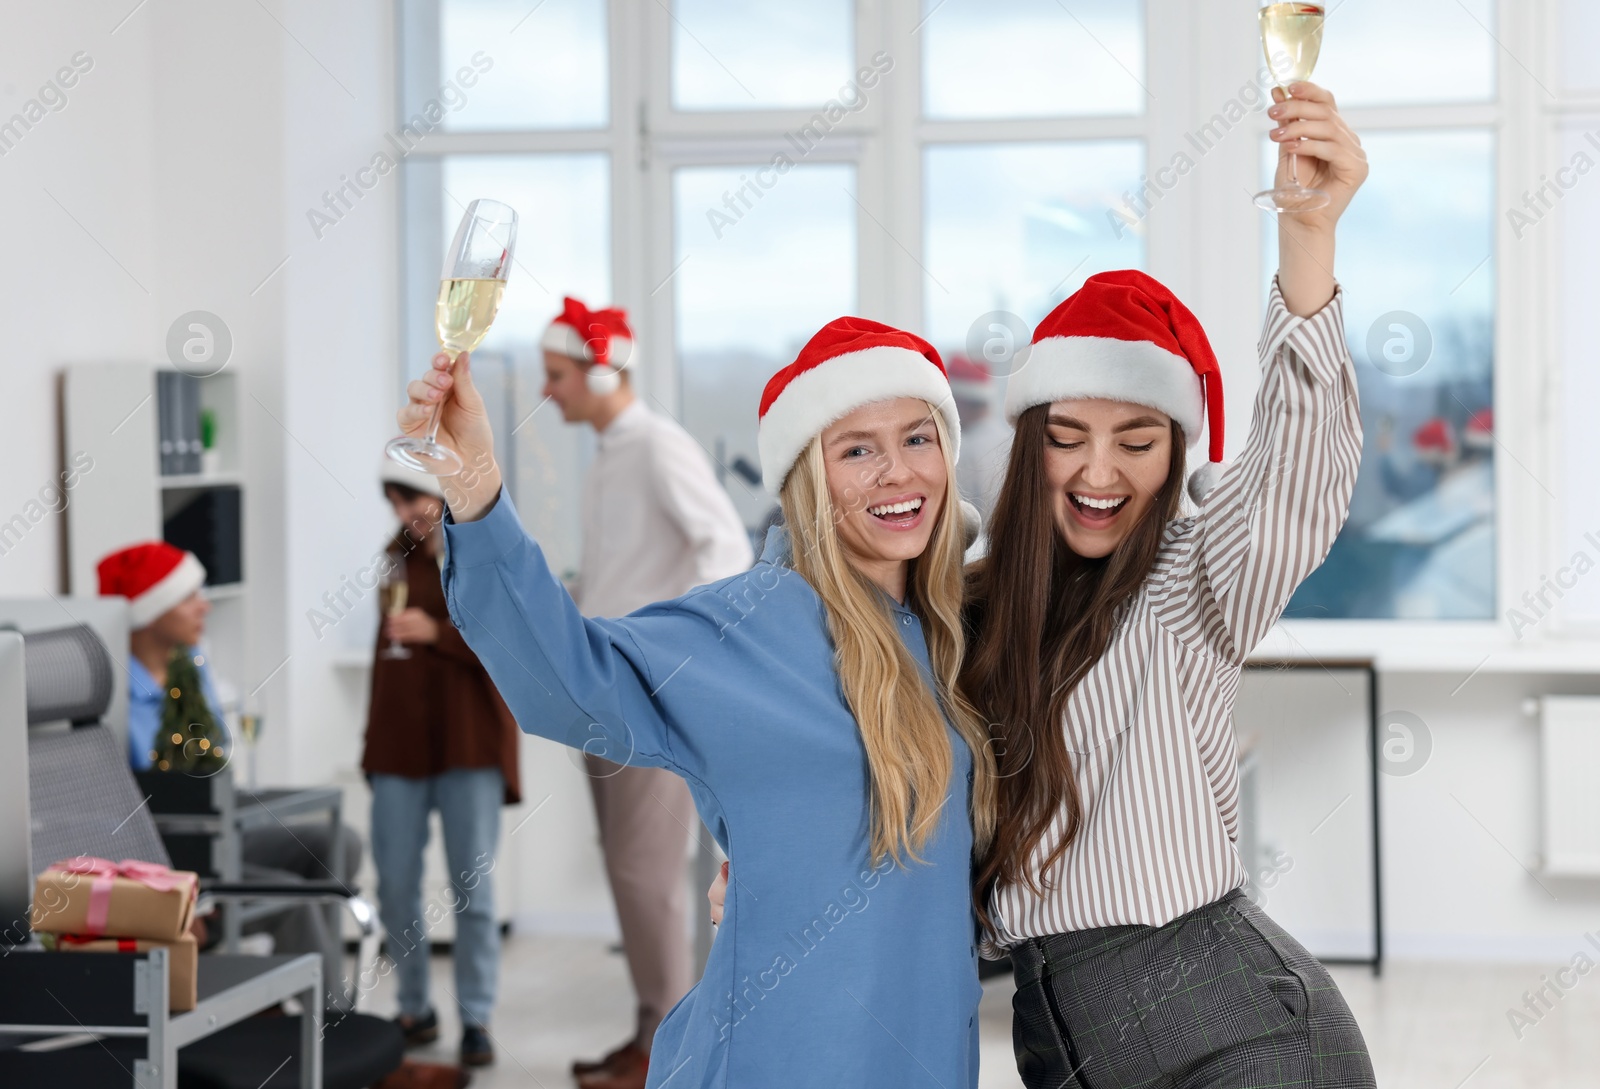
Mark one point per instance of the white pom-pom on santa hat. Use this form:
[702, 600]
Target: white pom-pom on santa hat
[850, 362]
[1123, 336]
[153, 575]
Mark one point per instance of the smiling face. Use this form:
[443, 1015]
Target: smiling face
[887, 478]
[1105, 462]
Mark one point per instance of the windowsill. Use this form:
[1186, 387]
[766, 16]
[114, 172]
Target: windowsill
[1399, 646]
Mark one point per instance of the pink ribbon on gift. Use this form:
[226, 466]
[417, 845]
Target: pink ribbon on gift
[152, 875]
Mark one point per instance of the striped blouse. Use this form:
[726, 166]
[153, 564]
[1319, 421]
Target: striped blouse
[1149, 728]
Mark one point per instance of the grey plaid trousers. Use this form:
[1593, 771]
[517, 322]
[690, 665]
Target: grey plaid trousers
[1220, 998]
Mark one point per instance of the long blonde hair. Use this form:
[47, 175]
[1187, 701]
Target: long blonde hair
[909, 758]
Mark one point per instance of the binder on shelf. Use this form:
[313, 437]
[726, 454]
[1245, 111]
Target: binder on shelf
[191, 422]
[166, 415]
[209, 526]
[178, 395]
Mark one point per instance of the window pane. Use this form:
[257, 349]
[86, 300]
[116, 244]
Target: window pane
[1418, 277]
[749, 291]
[1032, 58]
[541, 457]
[1379, 52]
[1012, 229]
[760, 54]
[566, 254]
[536, 65]
[1580, 42]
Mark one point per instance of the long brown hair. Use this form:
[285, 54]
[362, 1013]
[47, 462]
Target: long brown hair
[1040, 617]
[909, 757]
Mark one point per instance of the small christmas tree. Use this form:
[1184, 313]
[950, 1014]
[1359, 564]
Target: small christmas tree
[190, 739]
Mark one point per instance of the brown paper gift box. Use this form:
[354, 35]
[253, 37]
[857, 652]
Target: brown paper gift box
[182, 960]
[92, 899]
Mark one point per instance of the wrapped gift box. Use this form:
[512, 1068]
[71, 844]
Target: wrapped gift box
[94, 897]
[182, 960]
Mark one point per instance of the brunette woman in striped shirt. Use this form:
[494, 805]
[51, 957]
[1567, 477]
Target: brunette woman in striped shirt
[1108, 638]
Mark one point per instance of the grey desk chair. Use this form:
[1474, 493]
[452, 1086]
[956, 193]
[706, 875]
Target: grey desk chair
[84, 801]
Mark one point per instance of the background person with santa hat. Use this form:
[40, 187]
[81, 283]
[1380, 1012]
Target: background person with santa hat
[805, 702]
[176, 724]
[438, 737]
[1110, 636]
[655, 523]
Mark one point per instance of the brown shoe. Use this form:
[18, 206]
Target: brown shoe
[583, 1067]
[627, 1072]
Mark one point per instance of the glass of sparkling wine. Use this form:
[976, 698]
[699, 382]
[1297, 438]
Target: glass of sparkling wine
[474, 278]
[392, 593]
[1291, 36]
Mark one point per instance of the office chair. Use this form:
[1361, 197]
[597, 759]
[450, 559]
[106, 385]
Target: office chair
[84, 802]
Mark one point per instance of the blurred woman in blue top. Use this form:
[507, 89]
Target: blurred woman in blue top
[809, 703]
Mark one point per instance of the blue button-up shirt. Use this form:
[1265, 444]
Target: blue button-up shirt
[145, 701]
[827, 971]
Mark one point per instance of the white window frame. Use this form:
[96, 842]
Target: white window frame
[1203, 236]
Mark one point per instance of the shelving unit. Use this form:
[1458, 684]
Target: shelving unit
[110, 413]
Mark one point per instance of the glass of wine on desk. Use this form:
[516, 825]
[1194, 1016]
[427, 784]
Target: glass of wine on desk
[474, 278]
[392, 593]
[1291, 35]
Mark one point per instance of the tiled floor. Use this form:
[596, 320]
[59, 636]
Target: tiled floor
[1429, 1025]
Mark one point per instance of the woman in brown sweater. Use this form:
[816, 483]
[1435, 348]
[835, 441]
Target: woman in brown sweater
[438, 737]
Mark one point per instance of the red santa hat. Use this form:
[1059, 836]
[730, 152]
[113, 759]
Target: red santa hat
[850, 362]
[601, 340]
[153, 575]
[1123, 336]
[969, 379]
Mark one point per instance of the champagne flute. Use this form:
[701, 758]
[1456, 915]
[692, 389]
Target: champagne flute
[1291, 37]
[474, 277]
[393, 591]
[250, 731]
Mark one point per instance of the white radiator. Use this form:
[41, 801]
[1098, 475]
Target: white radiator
[1569, 759]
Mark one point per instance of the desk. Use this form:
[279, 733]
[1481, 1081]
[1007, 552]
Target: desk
[1374, 749]
[124, 996]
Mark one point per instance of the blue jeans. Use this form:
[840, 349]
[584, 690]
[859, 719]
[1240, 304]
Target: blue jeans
[468, 800]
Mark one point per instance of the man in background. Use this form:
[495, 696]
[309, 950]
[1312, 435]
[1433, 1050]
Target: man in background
[176, 716]
[655, 524]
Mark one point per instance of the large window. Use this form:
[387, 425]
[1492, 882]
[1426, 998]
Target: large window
[738, 175]
[1416, 260]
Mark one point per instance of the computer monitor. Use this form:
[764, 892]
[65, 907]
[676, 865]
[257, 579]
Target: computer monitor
[16, 867]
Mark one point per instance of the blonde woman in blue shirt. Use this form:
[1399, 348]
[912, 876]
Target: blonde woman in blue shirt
[810, 704]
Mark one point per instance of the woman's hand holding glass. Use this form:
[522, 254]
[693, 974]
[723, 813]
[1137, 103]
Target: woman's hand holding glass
[463, 427]
[1310, 127]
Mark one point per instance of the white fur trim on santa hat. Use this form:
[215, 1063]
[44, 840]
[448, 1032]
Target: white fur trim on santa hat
[184, 579]
[833, 389]
[563, 339]
[1072, 368]
[392, 472]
